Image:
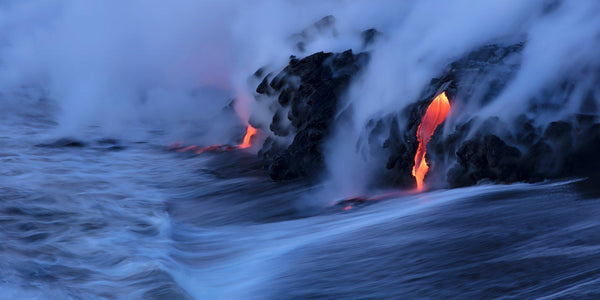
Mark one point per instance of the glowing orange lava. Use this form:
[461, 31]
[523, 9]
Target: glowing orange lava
[436, 114]
[250, 132]
[242, 109]
[246, 143]
[188, 148]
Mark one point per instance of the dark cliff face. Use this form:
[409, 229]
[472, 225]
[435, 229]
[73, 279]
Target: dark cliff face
[561, 149]
[519, 150]
[308, 91]
[460, 80]
[492, 150]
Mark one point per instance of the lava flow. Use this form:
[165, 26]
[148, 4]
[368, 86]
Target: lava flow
[436, 114]
[246, 143]
[250, 132]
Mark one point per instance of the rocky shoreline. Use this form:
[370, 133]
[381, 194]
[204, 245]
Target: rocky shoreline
[306, 96]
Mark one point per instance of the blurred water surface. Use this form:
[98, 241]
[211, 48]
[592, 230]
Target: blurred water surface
[126, 219]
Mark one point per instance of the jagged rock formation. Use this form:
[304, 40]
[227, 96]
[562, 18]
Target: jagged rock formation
[459, 79]
[308, 91]
[562, 149]
[307, 94]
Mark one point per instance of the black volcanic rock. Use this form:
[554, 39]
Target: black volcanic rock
[486, 158]
[538, 162]
[304, 101]
[567, 147]
[461, 79]
[263, 87]
[562, 151]
[309, 90]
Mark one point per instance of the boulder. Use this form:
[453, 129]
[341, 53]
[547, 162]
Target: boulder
[309, 90]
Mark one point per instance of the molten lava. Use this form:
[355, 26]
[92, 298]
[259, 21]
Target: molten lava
[436, 114]
[241, 106]
[250, 132]
[246, 143]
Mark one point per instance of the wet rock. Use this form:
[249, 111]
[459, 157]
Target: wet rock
[560, 135]
[308, 89]
[263, 87]
[526, 131]
[277, 126]
[497, 151]
[585, 159]
[561, 151]
[285, 97]
[305, 96]
[539, 162]
[486, 158]
[460, 79]
[259, 73]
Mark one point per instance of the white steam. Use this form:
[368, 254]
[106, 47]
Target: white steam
[115, 63]
[121, 63]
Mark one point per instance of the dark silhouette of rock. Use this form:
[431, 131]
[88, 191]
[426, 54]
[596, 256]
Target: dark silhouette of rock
[309, 90]
[263, 87]
[561, 151]
[461, 79]
[486, 158]
[305, 98]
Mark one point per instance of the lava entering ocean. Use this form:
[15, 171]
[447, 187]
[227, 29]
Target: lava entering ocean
[250, 132]
[436, 114]
[246, 143]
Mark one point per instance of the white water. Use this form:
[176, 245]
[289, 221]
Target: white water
[145, 223]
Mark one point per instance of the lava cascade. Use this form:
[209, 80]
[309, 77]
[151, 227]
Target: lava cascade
[246, 143]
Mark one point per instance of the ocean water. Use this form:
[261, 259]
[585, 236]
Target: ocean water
[135, 221]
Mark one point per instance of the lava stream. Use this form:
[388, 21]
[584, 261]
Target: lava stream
[436, 114]
[250, 132]
[246, 143]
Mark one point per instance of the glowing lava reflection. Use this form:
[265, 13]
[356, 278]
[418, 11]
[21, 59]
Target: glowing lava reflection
[436, 114]
[246, 143]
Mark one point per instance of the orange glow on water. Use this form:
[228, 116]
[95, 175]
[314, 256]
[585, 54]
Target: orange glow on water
[436, 114]
[189, 148]
[246, 143]
[242, 110]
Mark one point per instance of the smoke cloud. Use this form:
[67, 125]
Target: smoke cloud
[117, 64]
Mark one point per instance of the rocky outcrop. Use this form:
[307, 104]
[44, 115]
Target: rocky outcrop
[485, 150]
[307, 91]
[306, 96]
[562, 149]
[458, 80]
